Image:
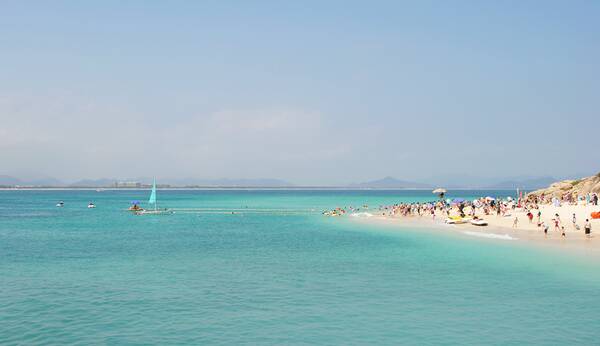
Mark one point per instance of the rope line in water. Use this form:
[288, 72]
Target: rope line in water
[244, 209]
[241, 212]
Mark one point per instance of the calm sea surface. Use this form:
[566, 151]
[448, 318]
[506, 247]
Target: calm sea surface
[274, 272]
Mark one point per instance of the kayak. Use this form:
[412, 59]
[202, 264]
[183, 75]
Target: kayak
[479, 222]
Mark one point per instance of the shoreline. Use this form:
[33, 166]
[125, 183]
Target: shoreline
[500, 229]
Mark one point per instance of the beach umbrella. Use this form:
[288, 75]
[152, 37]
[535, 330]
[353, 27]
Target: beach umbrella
[439, 190]
[458, 200]
[448, 201]
[490, 198]
[135, 202]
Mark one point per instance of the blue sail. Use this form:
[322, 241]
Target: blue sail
[152, 199]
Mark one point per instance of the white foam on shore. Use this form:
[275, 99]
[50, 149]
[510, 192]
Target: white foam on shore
[490, 235]
[361, 214]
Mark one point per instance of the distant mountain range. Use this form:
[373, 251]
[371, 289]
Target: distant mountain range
[449, 182]
[460, 182]
[6, 180]
[9, 181]
[103, 182]
[529, 184]
[391, 183]
[229, 182]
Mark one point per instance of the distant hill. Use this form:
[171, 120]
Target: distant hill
[45, 182]
[391, 183]
[266, 182]
[103, 182]
[574, 187]
[528, 184]
[6, 180]
[465, 181]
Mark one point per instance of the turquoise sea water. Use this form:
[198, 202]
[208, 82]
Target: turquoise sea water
[274, 272]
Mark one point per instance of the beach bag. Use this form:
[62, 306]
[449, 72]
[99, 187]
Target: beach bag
[596, 215]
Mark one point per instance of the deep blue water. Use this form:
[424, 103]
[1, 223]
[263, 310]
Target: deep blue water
[274, 272]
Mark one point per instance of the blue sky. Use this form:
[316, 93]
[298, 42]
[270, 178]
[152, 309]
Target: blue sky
[311, 92]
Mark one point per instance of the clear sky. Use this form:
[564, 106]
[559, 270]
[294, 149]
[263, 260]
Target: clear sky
[314, 92]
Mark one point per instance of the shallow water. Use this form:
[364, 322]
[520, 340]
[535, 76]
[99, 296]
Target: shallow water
[273, 272]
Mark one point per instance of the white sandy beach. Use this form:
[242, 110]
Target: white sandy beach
[500, 227]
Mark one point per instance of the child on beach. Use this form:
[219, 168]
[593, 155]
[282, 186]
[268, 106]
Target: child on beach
[588, 228]
[545, 229]
[562, 233]
[574, 222]
[556, 222]
[515, 222]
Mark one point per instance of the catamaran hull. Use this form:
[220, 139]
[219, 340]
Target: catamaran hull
[153, 212]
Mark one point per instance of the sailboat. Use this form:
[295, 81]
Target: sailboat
[152, 200]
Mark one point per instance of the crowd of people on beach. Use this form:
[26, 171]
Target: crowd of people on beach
[460, 209]
[566, 198]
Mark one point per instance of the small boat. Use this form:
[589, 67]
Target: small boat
[152, 200]
[91, 205]
[479, 222]
[60, 204]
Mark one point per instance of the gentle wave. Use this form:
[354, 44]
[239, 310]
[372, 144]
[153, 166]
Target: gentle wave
[490, 235]
[361, 214]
